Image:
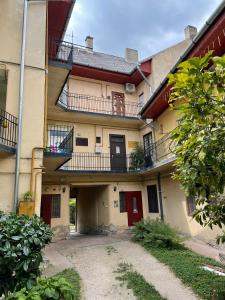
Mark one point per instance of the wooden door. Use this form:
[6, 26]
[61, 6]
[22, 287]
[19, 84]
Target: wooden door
[46, 208]
[118, 104]
[117, 153]
[134, 207]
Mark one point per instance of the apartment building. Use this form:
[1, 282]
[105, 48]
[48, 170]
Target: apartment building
[177, 208]
[96, 121]
[80, 125]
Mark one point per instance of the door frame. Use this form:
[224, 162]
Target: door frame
[115, 112]
[124, 142]
[130, 220]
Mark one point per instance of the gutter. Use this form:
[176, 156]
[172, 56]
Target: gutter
[20, 113]
[186, 52]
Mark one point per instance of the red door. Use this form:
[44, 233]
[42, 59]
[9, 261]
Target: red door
[134, 207]
[46, 208]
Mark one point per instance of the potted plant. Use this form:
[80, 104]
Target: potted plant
[137, 159]
[27, 205]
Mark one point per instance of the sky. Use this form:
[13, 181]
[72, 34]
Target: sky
[146, 25]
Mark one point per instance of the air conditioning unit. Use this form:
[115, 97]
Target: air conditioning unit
[130, 88]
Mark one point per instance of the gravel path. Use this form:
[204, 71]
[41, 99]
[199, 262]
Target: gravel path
[95, 258]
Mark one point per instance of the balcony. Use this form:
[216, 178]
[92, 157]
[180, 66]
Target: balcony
[97, 105]
[154, 158]
[60, 55]
[8, 133]
[59, 148]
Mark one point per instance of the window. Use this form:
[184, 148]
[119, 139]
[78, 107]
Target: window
[81, 142]
[190, 205]
[56, 206]
[141, 100]
[147, 141]
[152, 199]
[3, 87]
[123, 206]
[98, 140]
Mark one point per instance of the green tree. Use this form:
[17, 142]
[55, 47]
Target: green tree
[198, 95]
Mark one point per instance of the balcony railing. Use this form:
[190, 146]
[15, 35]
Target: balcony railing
[60, 51]
[60, 140]
[159, 151]
[99, 105]
[8, 129]
[105, 162]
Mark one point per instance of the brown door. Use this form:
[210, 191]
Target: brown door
[117, 153]
[46, 208]
[134, 207]
[118, 104]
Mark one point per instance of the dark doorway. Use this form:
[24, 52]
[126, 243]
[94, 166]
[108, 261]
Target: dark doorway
[134, 207]
[46, 208]
[117, 153]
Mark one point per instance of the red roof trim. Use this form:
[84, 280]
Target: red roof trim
[214, 39]
[110, 76]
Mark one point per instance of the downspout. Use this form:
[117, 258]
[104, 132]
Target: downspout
[144, 77]
[46, 81]
[160, 198]
[20, 110]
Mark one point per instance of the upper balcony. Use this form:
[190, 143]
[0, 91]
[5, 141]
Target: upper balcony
[8, 133]
[60, 56]
[59, 147]
[89, 104]
[155, 159]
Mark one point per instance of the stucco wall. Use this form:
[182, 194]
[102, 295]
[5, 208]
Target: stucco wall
[11, 15]
[60, 225]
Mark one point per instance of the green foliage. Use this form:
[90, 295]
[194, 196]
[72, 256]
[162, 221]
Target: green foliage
[21, 241]
[135, 281]
[74, 279]
[28, 196]
[154, 233]
[187, 265]
[137, 159]
[198, 94]
[46, 289]
[72, 205]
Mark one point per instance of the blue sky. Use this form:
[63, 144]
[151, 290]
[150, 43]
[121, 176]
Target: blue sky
[146, 25]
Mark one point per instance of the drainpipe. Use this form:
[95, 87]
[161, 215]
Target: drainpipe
[160, 198]
[20, 110]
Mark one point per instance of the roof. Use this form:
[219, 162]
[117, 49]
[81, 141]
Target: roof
[195, 49]
[103, 61]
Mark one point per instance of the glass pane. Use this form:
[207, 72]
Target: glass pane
[134, 201]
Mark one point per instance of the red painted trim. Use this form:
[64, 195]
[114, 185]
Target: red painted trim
[109, 76]
[58, 12]
[214, 39]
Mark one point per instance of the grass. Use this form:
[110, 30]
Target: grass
[187, 266]
[135, 281]
[110, 250]
[163, 242]
[74, 279]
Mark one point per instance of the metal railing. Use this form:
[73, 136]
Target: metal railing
[8, 129]
[95, 162]
[94, 104]
[60, 51]
[60, 139]
[105, 162]
[159, 151]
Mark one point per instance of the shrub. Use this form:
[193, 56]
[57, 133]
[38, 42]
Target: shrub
[137, 159]
[21, 241]
[156, 234]
[46, 289]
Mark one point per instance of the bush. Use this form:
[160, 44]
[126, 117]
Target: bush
[46, 289]
[21, 241]
[154, 233]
